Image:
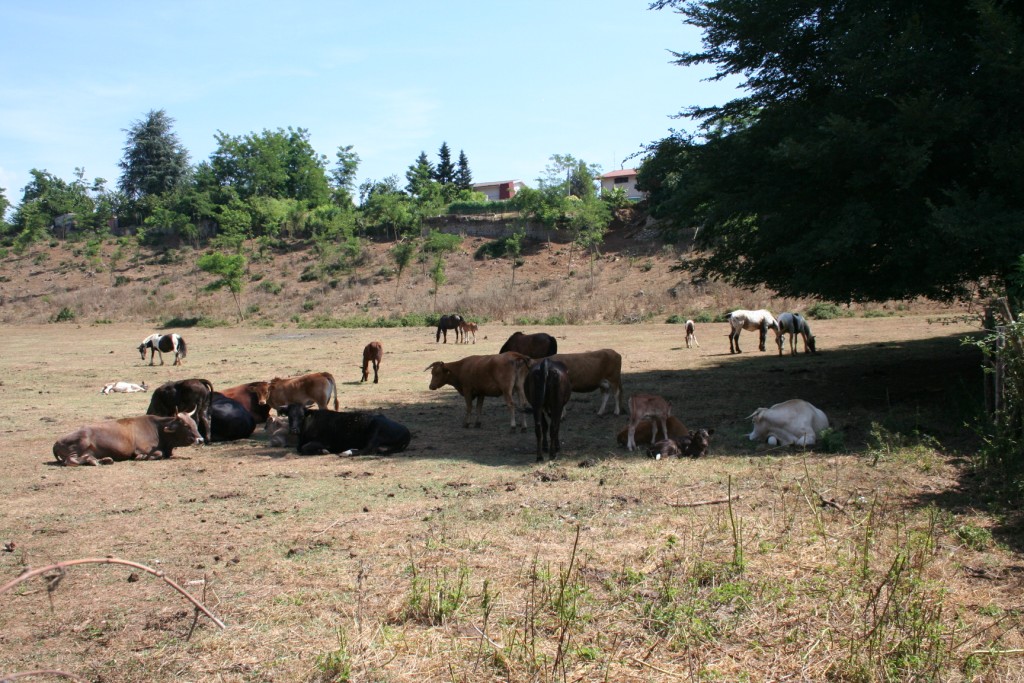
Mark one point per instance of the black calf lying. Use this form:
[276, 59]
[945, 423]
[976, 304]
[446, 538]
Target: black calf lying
[328, 431]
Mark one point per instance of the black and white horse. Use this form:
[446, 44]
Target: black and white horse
[449, 322]
[794, 324]
[760, 320]
[161, 344]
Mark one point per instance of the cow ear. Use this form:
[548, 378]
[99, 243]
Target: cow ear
[711, 431]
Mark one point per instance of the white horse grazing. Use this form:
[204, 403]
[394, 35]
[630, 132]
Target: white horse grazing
[794, 324]
[741, 320]
[163, 343]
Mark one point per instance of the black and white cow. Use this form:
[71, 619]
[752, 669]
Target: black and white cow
[329, 431]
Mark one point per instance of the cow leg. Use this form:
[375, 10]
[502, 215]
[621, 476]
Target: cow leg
[512, 411]
[376, 366]
[313, 448]
[631, 437]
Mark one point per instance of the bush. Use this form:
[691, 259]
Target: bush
[440, 242]
[181, 322]
[826, 310]
[470, 208]
[64, 315]
[271, 287]
[121, 280]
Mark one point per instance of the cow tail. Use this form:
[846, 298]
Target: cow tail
[334, 390]
[542, 391]
[184, 349]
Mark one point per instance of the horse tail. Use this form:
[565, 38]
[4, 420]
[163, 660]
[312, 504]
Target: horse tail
[181, 345]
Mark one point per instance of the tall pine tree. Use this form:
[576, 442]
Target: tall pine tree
[419, 175]
[154, 161]
[444, 173]
[463, 176]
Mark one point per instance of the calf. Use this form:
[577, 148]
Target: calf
[693, 444]
[690, 336]
[229, 419]
[592, 370]
[476, 377]
[182, 396]
[328, 431]
[315, 387]
[148, 437]
[647, 405]
[372, 353]
[278, 429]
[248, 395]
[794, 422]
[548, 390]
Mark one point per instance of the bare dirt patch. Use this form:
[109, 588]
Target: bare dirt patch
[460, 560]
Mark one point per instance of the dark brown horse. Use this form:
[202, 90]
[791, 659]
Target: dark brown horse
[449, 322]
[373, 353]
[538, 345]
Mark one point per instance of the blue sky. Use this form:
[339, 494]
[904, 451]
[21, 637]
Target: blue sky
[508, 83]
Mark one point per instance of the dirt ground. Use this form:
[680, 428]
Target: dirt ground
[464, 560]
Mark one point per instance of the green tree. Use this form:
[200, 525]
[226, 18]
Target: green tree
[873, 155]
[402, 254]
[280, 164]
[344, 176]
[570, 175]
[444, 172]
[154, 160]
[230, 270]
[463, 176]
[48, 201]
[420, 175]
[514, 250]
[4, 206]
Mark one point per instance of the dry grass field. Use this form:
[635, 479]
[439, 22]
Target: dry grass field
[464, 560]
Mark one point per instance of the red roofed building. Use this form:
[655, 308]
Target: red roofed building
[624, 179]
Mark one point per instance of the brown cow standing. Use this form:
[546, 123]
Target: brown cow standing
[592, 370]
[315, 387]
[149, 437]
[480, 376]
[373, 353]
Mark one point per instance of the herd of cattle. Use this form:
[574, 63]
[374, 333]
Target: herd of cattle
[528, 373]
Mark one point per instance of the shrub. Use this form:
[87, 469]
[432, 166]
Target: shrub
[826, 310]
[121, 280]
[271, 287]
[64, 315]
[181, 322]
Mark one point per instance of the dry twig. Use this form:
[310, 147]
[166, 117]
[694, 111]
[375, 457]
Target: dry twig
[714, 501]
[61, 566]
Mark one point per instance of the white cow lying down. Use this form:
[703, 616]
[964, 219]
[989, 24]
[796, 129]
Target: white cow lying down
[793, 422]
[123, 388]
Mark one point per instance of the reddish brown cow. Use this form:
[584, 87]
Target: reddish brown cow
[594, 370]
[373, 353]
[480, 376]
[249, 396]
[316, 387]
[149, 437]
[693, 444]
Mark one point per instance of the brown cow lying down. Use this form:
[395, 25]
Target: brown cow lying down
[148, 437]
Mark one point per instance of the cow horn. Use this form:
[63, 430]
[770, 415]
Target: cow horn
[192, 414]
[433, 365]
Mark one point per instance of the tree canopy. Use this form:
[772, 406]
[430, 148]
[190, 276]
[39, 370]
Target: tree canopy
[154, 161]
[876, 153]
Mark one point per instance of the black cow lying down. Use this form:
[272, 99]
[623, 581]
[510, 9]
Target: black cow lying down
[329, 431]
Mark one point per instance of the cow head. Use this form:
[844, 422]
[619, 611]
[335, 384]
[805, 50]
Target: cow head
[695, 444]
[183, 429]
[440, 375]
[296, 413]
[261, 390]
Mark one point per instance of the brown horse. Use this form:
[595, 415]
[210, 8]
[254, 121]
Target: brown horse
[373, 353]
[468, 328]
[538, 345]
